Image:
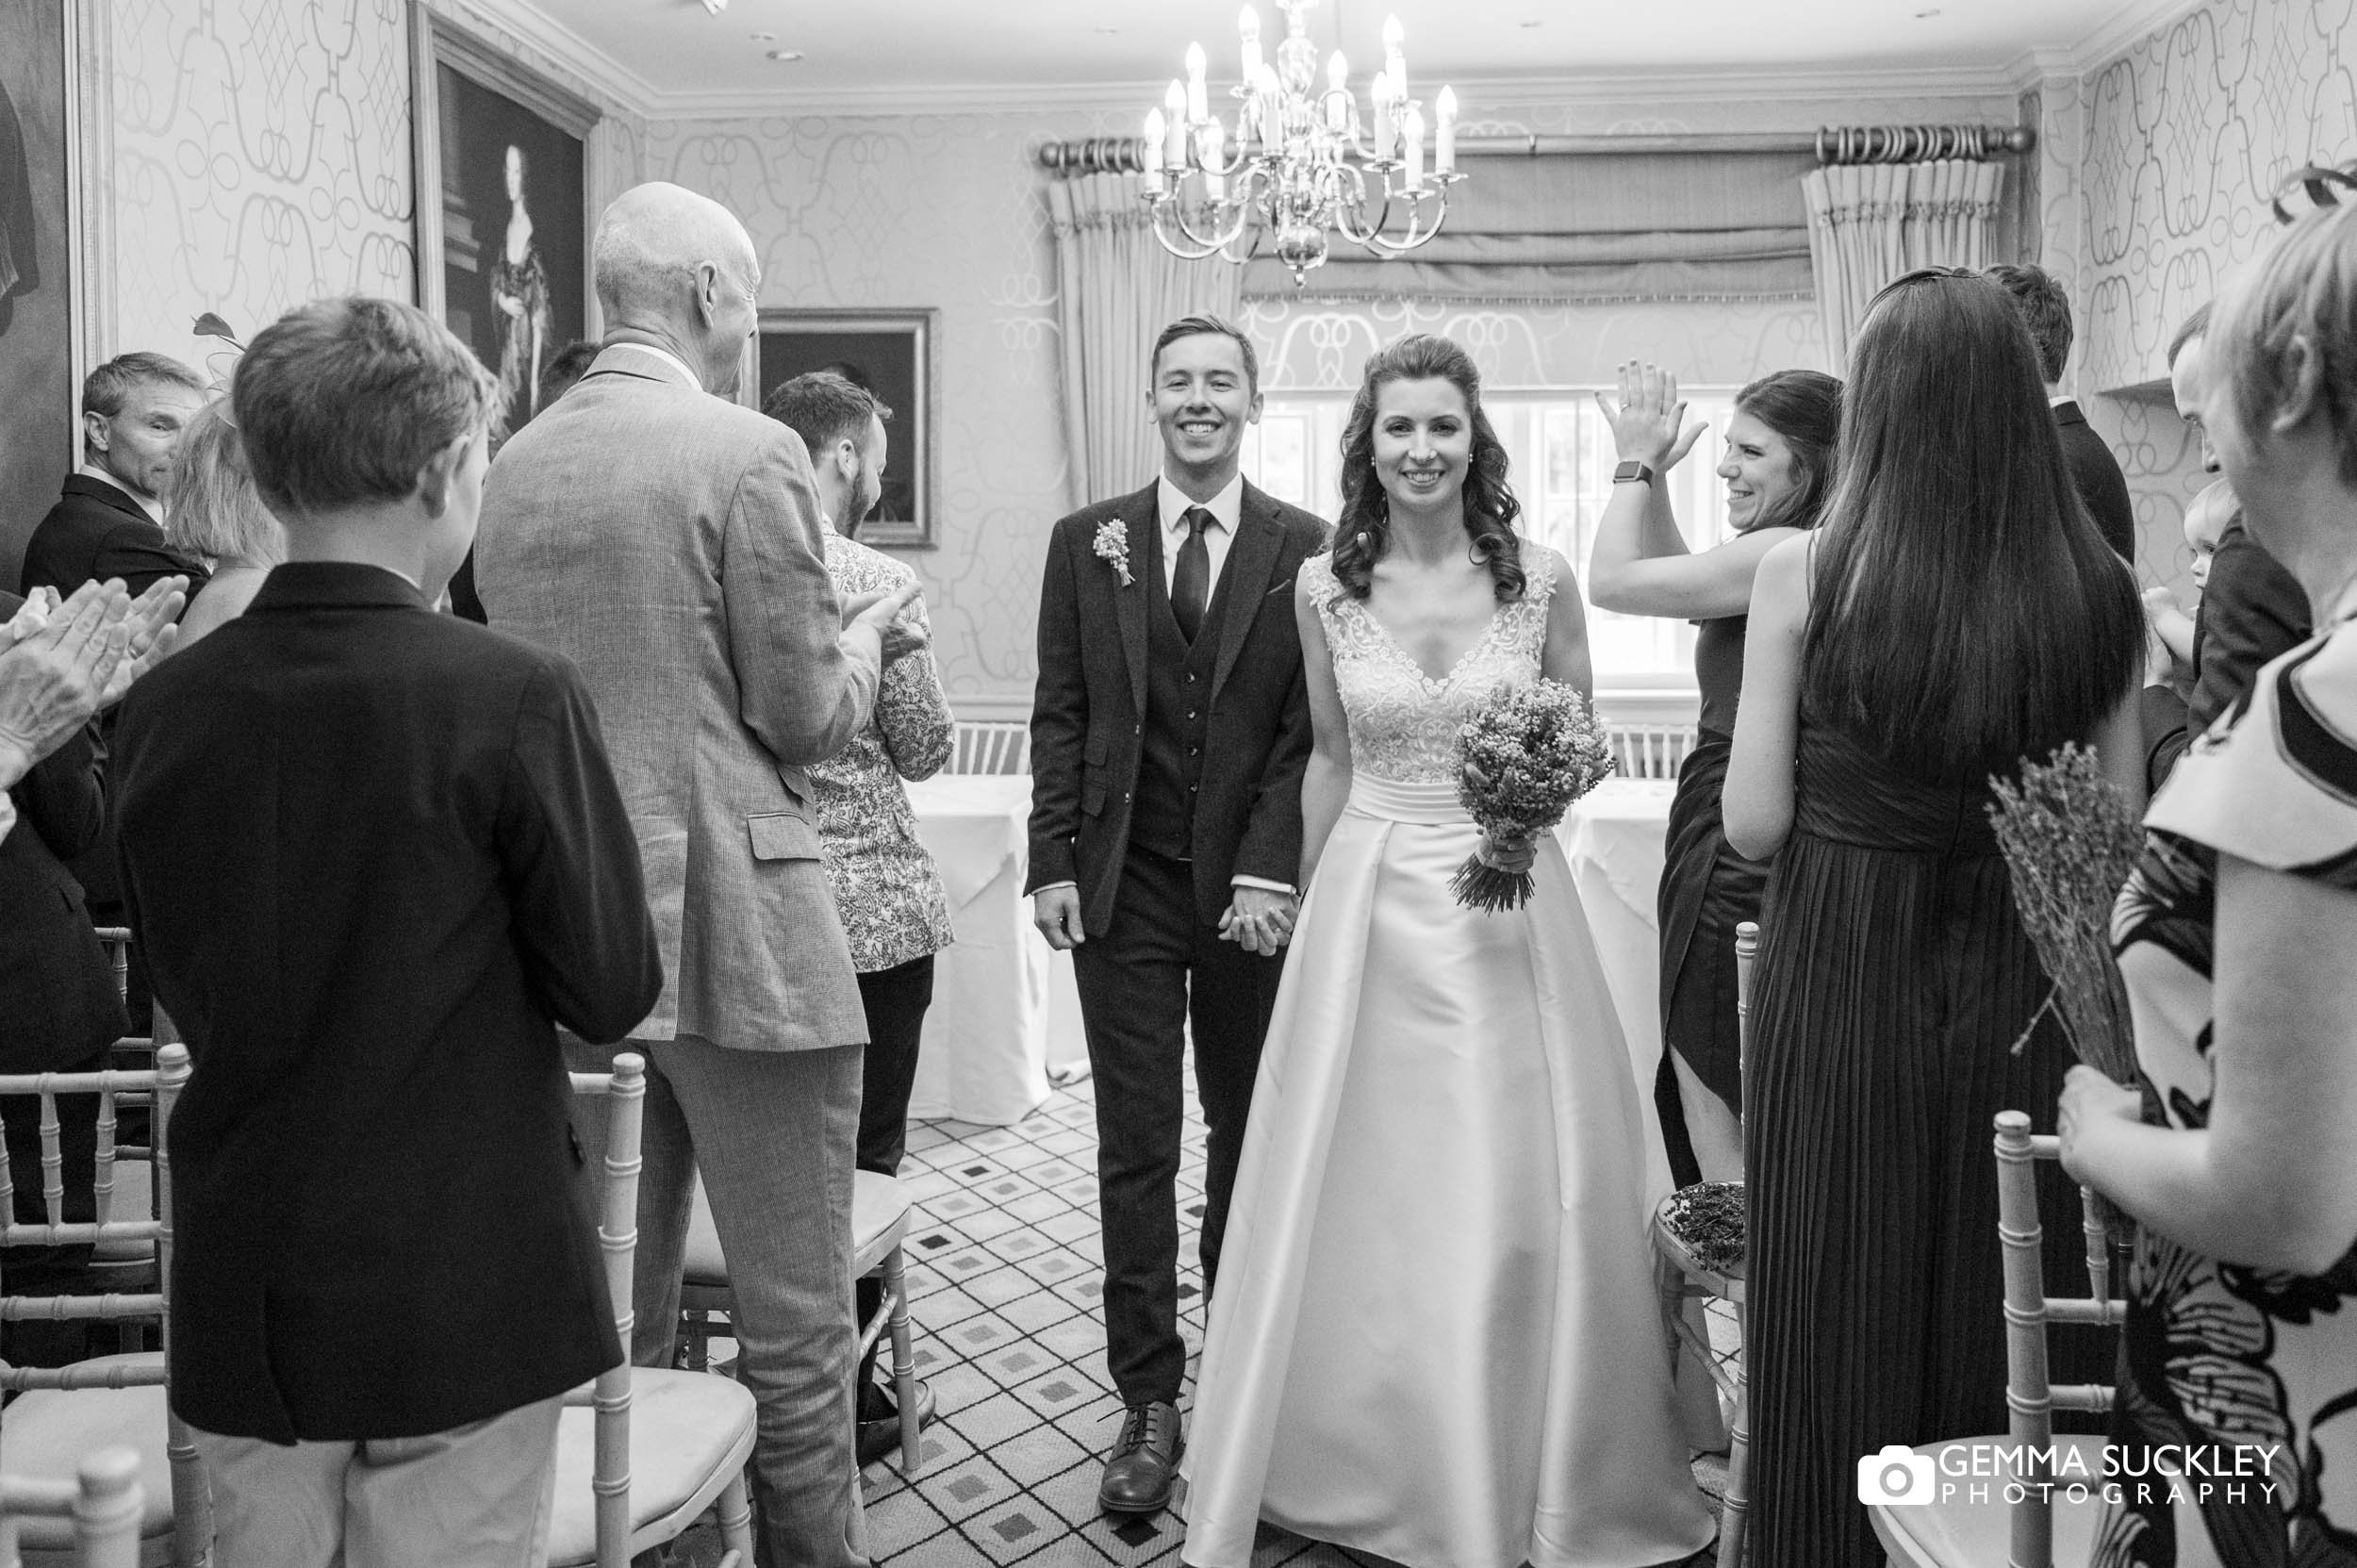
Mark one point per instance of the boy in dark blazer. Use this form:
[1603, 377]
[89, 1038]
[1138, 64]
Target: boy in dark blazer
[376, 855]
[1169, 732]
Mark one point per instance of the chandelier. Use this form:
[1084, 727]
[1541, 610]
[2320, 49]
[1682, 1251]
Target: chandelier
[1301, 164]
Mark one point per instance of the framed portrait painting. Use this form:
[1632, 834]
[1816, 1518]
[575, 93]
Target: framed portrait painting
[890, 353]
[39, 369]
[503, 256]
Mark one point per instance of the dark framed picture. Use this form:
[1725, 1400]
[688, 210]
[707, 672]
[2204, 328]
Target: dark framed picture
[503, 256]
[41, 372]
[891, 354]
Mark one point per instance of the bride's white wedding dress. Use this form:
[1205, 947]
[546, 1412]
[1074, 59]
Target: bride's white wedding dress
[1436, 1336]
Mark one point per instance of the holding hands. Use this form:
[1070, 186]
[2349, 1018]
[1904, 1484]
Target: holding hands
[1259, 921]
[1648, 424]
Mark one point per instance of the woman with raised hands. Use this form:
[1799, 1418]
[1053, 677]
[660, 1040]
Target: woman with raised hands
[1778, 468]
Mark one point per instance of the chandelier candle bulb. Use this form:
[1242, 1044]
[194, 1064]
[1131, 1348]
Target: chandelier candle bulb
[1174, 133]
[1414, 130]
[1248, 23]
[1212, 149]
[1445, 132]
[1154, 143]
[1336, 95]
[1198, 97]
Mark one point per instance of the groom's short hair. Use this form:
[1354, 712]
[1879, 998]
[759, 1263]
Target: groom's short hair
[1197, 326]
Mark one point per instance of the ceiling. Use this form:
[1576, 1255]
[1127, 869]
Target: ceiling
[670, 54]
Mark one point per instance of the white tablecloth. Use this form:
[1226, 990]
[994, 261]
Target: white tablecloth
[1004, 1008]
[1613, 839]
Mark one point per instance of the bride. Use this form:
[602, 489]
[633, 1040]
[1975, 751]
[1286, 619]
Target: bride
[1436, 1337]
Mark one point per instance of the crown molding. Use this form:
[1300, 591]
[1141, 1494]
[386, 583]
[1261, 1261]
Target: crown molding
[2131, 25]
[1484, 97]
[565, 48]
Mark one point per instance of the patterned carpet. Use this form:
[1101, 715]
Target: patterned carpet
[1004, 1285]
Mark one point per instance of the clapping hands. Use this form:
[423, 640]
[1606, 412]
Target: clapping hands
[55, 675]
[1649, 423]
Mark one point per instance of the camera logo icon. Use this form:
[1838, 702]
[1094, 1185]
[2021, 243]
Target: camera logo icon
[1895, 1474]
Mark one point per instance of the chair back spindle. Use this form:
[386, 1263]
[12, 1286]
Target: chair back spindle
[625, 1089]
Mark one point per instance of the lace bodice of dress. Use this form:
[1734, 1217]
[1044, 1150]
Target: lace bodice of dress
[1403, 723]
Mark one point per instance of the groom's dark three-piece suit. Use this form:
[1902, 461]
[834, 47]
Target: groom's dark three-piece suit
[1165, 766]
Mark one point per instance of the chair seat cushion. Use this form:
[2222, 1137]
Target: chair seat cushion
[47, 1432]
[879, 1207]
[1967, 1531]
[689, 1432]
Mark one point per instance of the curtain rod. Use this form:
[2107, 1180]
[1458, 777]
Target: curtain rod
[1123, 155]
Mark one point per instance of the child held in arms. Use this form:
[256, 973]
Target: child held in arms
[377, 857]
[2207, 518]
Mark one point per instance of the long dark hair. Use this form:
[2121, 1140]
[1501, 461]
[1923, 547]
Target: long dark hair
[1966, 612]
[1365, 529]
[1805, 408]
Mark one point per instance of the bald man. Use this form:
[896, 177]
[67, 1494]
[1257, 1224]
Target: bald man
[672, 544]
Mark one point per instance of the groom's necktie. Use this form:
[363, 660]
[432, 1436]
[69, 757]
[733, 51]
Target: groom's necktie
[1190, 585]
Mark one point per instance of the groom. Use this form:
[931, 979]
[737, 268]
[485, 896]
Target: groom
[1168, 739]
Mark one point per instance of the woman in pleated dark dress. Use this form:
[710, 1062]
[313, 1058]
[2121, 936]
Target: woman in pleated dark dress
[1956, 612]
[1778, 468]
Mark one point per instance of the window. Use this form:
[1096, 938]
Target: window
[1563, 456]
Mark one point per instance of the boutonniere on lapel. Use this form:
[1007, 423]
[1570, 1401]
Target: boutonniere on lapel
[1112, 544]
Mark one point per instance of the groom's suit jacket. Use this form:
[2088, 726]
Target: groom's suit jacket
[1088, 716]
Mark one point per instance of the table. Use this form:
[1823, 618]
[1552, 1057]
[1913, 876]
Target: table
[1614, 840]
[1005, 1010]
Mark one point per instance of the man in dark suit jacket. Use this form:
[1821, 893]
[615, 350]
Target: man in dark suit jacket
[377, 855]
[2094, 472]
[1169, 733]
[108, 521]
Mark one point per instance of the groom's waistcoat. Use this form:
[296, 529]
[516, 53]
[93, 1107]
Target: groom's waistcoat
[1177, 714]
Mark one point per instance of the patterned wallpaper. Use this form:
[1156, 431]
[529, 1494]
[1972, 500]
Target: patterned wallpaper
[2181, 141]
[260, 155]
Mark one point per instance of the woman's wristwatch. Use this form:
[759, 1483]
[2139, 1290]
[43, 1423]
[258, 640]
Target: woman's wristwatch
[1633, 472]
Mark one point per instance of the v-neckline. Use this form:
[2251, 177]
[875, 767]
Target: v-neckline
[1448, 677]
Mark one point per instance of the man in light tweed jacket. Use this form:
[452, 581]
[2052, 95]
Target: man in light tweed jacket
[671, 544]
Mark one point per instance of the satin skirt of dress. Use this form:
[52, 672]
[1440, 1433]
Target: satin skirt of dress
[1436, 1336]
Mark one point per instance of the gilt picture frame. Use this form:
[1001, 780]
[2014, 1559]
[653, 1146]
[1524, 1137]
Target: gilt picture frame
[504, 253]
[894, 354]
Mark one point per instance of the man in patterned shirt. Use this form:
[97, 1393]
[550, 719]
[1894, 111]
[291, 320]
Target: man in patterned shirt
[886, 890]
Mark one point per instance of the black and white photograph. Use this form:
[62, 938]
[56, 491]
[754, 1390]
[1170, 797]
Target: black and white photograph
[1212, 783]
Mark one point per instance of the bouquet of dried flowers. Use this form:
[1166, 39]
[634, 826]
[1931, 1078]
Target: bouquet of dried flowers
[2070, 841]
[1521, 762]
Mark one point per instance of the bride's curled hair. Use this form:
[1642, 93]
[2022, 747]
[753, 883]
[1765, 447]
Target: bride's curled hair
[1363, 533]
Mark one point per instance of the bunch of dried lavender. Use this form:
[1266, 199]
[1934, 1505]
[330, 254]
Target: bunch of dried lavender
[2070, 840]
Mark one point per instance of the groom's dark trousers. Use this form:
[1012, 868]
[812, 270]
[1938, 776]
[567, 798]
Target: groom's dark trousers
[1163, 769]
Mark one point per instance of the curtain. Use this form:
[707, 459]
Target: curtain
[1115, 289]
[1871, 223]
[1589, 229]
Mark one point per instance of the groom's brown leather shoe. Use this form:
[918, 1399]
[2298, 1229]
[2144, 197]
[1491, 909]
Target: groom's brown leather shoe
[1143, 1462]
